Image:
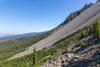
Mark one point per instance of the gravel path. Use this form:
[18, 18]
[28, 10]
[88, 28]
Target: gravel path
[87, 17]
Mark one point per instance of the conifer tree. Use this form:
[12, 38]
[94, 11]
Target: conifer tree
[90, 30]
[35, 58]
[96, 29]
[87, 30]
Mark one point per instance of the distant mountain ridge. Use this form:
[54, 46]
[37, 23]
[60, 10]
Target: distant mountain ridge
[20, 35]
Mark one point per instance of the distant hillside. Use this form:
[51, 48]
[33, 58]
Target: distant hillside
[12, 45]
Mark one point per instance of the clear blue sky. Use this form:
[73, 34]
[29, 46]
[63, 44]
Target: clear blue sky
[23, 16]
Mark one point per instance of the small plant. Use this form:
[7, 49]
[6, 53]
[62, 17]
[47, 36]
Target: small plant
[64, 51]
[82, 34]
[83, 44]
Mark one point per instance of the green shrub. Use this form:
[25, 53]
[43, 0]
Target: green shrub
[83, 44]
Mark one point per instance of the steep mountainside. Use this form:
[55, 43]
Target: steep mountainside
[85, 18]
[76, 13]
[73, 15]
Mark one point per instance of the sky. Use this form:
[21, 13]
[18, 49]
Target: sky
[24, 16]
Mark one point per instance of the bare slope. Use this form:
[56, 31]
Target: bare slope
[87, 17]
[72, 16]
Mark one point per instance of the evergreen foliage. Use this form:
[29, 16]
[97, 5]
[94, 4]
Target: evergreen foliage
[96, 29]
[35, 58]
[82, 44]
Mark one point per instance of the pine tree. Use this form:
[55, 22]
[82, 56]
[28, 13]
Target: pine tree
[35, 58]
[96, 29]
[90, 30]
[87, 30]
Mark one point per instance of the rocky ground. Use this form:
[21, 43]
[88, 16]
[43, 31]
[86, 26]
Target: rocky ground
[76, 56]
